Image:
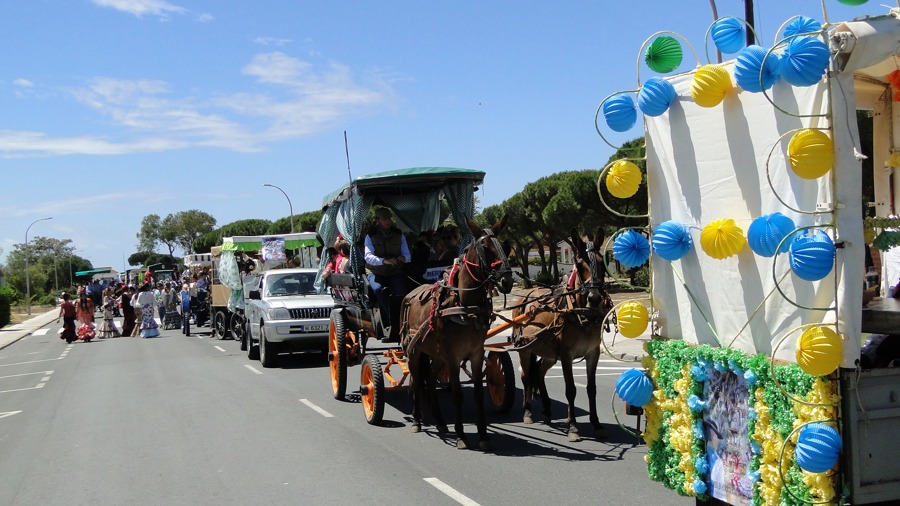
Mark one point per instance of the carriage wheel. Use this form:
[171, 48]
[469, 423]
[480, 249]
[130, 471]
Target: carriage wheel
[238, 330]
[501, 380]
[220, 324]
[337, 354]
[371, 389]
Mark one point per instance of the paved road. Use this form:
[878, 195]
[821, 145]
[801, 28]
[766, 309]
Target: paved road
[178, 420]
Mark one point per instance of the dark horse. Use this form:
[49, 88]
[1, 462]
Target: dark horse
[445, 324]
[566, 325]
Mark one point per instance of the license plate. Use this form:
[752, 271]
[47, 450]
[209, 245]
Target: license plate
[314, 328]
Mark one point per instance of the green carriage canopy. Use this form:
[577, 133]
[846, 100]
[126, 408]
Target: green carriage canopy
[254, 242]
[92, 272]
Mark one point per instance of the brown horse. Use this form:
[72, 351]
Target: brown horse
[445, 324]
[566, 325]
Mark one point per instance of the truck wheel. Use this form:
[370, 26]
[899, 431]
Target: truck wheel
[337, 354]
[268, 352]
[371, 389]
[501, 380]
[252, 350]
[237, 330]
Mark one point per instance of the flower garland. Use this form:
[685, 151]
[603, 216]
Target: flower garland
[674, 434]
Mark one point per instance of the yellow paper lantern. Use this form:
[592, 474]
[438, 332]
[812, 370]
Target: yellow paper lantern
[633, 319]
[722, 238]
[811, 153]
[623, 179]
[710, 85]
[819, 350]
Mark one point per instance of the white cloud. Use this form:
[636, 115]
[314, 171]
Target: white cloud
[271, 41]
[23, 83]
[139, 8]
[293, 99]
[205, 18]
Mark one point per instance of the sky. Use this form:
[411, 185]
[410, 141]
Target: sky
[111, 110]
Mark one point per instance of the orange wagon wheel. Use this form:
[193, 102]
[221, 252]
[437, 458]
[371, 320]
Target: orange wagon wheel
[501, 380]
[337, 354]
[371, 389]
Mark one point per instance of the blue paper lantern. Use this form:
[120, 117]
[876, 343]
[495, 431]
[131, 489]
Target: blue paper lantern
[620, 113]
[804, 61]
[812, 255]
[818, 448]
[634, 387]
[655, 96]
[801, 25]
[728, 34]
[631, 249]
[749, 69]
[672, 240]
[767, 231]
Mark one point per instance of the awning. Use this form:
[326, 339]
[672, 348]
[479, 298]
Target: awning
[92, 272]
[254, 242]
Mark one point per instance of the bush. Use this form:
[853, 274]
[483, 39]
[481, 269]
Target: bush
[7, 297]
[46, 300]
[642, 276]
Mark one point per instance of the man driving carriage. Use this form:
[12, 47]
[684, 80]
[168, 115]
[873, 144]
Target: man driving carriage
[385, 253]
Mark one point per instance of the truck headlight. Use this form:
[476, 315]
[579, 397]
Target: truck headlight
[279, 314]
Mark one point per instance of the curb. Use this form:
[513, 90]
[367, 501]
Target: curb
[13, 333]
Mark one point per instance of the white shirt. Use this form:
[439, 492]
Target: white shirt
[146, 298]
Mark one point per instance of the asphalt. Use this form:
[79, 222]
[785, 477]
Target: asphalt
[616, 345]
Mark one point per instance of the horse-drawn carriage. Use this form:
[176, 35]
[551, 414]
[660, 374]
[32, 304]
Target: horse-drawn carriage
[460, 303]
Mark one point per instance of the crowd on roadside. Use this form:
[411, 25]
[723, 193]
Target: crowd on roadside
[174, 304]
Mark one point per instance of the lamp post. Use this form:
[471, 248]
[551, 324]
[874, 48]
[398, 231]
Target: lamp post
[289, 203]
[27, 276]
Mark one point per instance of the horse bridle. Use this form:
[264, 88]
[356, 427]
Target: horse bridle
[593, 284]
[491, 272]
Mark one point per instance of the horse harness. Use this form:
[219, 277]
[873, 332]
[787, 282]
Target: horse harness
[444, 294]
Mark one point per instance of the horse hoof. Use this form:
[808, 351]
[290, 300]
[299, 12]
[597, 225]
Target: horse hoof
[442, 428]
[574, 437]
[461, 444]
[415, 428]
[547, 420]
[527, 420]
[485, 446]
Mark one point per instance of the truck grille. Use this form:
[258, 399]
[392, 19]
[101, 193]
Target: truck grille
[310, 313]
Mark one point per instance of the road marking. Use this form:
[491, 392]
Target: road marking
[450, 492]
[317, 409]
[26, 374]
[9, 413]
[598, 374]
[40, 332]
[32, 361]
[219, 348]
[253, 369]
[39, 385]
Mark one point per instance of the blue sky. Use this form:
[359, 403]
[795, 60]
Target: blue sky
[111, 110]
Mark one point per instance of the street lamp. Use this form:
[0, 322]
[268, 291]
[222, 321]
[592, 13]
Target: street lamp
[27, 276]
[289, 203]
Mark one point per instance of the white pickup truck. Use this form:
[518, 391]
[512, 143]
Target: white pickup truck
[285, 311]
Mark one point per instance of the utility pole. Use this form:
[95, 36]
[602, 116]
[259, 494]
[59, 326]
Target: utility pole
[748, 17]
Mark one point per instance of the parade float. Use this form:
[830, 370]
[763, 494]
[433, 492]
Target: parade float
[752, 386]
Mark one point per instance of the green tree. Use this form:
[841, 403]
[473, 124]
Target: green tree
[192, 224]
[306, 222]
[148, 237]
[51, 264]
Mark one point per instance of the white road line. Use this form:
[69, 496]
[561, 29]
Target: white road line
[32, 362]
[257, 371]
[317, 409]
[39, 385]
[40, 332]
[9, 413]
[219, 348]
[598, 374]
[451, 492]
[26, 374]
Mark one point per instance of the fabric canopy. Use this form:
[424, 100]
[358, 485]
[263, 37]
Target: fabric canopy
[255, 242]
[92, 272]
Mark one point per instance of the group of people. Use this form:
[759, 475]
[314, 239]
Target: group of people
[137, 306]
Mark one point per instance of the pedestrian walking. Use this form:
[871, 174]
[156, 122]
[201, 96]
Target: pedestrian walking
[160, 303]
[147, 303]
[84, 311]
[127, 312]
[108, 328]
[185, 298]
[68, 313]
